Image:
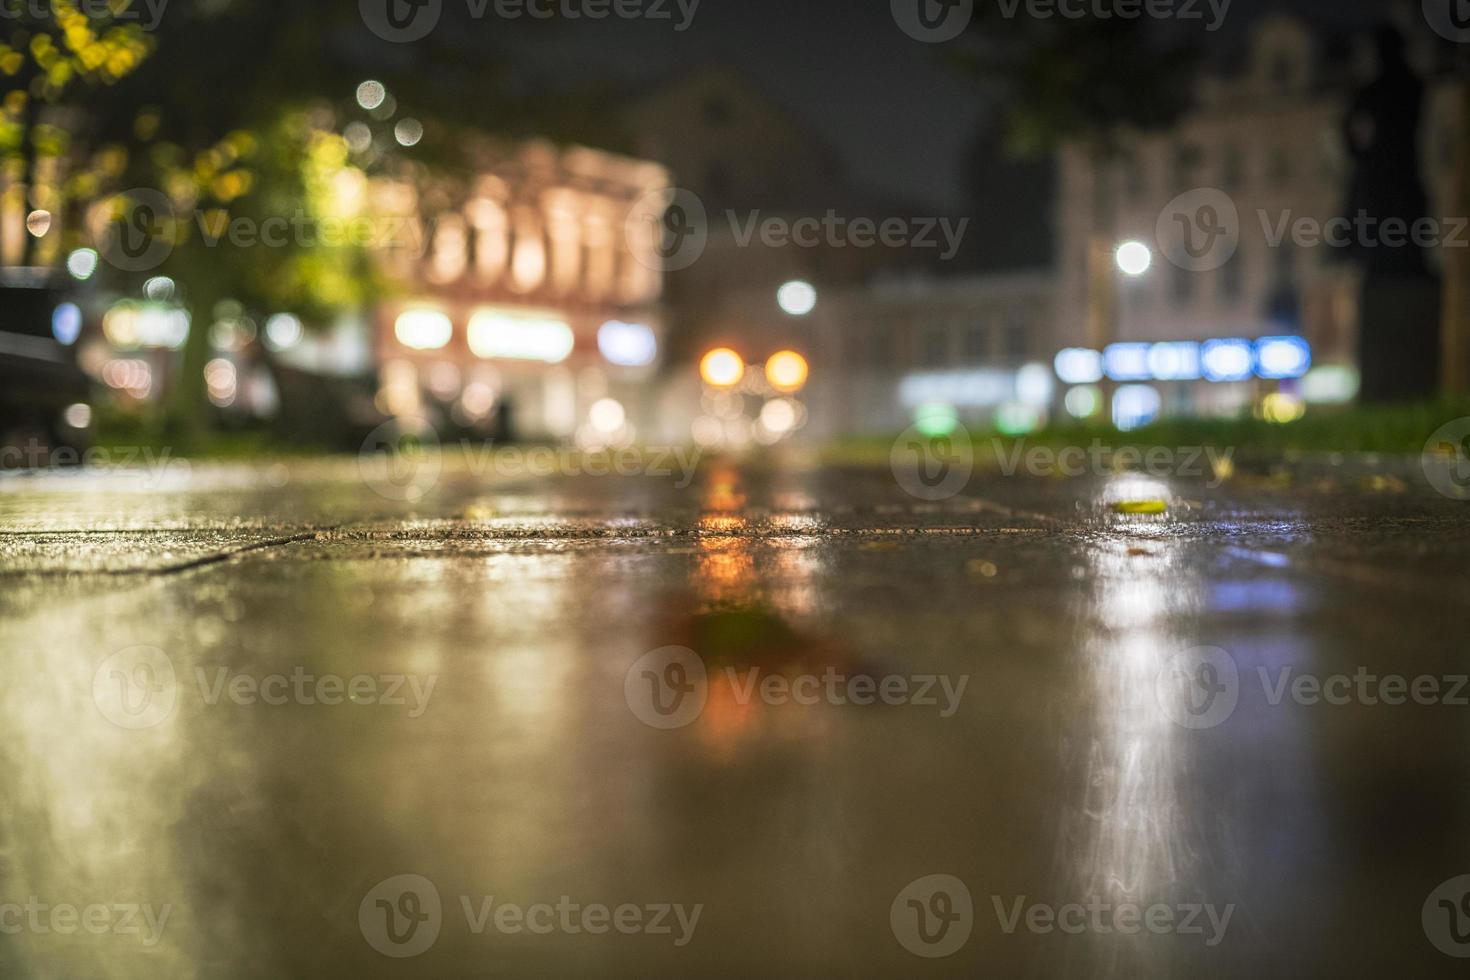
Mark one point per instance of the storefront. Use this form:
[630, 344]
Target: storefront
[533, 308]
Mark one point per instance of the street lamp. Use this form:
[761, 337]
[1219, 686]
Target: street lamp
[787, 371]
[1133, 258]
[797, 298]
[722, 368]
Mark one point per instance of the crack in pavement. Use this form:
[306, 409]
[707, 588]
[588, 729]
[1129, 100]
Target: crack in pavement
[202, 561]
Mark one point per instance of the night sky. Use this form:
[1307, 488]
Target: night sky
[898, 116]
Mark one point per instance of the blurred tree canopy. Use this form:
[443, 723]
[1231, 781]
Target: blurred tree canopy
[1082, 82]
[54, 57]
[1077, 80]
[243, 114]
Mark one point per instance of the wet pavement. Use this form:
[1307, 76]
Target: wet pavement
[783, 720]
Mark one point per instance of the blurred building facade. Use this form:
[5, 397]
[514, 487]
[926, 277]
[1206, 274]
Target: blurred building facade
[517, 299]
[529, 300]
[901, 348]
[880, 354]
[1267, 131]
[749, 160]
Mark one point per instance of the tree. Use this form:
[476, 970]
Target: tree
[236, 115]
[237, 126]
[51, 62]
[1085, 82]
[1068, 80]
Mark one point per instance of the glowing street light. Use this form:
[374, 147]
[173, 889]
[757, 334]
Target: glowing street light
[797, 298]
[1134, 258]
[787, 371]
[722, 368]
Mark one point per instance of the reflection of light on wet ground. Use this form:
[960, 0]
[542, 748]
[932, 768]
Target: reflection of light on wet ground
[1136, 497]
[524, 522]
[84, 798]
[796, 566]
[724, 570]
[1268, 558]
[1133, 488]
[793, 500]
[747, 646]
[1255, 597]
[722, 491]
[528, 671]
[1132, 602]
[1132, 842]
[805, 523]
[722, 524]
[735, 724]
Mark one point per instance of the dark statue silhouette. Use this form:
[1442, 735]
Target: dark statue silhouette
[1398, 342]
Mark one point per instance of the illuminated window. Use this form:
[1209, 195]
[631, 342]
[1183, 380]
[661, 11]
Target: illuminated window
[627, 344]
[565, 233]
[1135, 406]
[491, 238]
[518, 337]
[528, 255]
[451, 250]
[602, 250]
[423, 329]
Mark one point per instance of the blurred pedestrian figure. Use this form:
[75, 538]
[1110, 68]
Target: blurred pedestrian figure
[503, 429]
[1398, 342]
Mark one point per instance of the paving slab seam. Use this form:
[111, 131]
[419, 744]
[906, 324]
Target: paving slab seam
[165, 570]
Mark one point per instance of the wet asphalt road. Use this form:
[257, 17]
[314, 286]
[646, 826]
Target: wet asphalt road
[237, 708]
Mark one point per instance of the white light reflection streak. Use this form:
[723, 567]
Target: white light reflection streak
[1135, 840]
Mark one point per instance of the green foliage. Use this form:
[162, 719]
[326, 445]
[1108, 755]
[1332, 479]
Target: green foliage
[49, 60]
[1065, 80]
[1389, 429]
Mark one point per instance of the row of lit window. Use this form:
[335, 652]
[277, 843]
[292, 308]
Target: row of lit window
[1223, 360]
[571, 243]
[501, 334]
